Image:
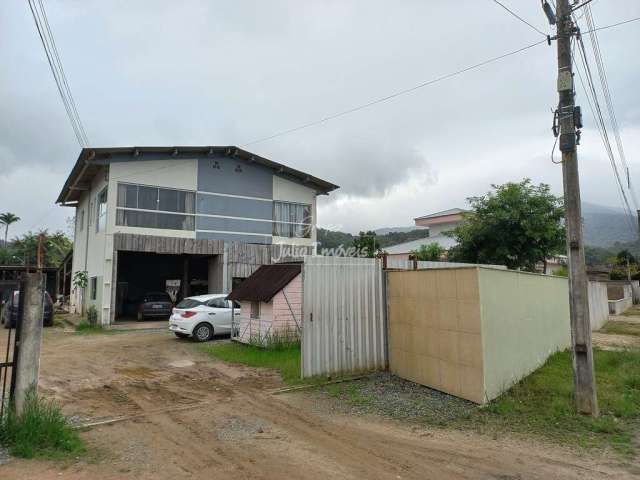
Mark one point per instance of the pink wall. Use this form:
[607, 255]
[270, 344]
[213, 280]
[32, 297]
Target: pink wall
[284, 317]
[276, 318]
[425, 222]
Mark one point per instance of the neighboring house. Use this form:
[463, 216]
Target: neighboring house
[270, 305]
[205, 217]
[438, 223]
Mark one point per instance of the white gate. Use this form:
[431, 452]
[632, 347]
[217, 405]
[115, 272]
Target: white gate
[344, 316]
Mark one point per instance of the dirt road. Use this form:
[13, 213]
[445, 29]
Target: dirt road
[192, 417]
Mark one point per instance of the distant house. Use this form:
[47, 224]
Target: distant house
[270, 305]
[438, 223]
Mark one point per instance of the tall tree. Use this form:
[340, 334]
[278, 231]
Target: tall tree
[516, 224]
[366, 243]
[55, 247]
[7, 219]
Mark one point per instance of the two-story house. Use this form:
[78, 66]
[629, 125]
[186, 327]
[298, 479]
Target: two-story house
[438, 224]
[198, 217]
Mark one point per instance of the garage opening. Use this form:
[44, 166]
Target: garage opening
[140, 274]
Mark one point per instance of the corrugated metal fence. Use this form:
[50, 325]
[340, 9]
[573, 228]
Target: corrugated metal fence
[404, 264]
[344, 316]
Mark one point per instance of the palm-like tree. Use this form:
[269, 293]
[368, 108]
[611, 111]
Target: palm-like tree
[7, 219]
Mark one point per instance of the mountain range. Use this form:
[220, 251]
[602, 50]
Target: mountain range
[604, 227]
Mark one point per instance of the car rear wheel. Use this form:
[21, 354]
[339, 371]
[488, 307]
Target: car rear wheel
[181, 335]
[203, 332]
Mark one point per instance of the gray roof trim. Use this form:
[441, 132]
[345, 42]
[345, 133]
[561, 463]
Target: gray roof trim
[451, 211]
[102, 156]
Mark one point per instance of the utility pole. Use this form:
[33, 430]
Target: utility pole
[30, 335]
[584, 377]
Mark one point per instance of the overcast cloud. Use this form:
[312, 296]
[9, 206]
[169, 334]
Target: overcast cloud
[229, 72]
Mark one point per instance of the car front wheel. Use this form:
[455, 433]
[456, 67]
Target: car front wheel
[203, 332]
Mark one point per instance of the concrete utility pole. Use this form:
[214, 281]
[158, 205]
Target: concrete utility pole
[585, 386]
[30, 327]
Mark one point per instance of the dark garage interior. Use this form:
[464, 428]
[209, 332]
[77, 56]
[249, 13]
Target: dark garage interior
[140, 273]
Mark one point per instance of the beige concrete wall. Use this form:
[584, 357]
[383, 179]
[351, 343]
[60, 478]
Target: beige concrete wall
[435, 330]
[525, 318]
[598, 305]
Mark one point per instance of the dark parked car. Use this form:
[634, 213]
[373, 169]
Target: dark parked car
[10, 311]
[155, 304]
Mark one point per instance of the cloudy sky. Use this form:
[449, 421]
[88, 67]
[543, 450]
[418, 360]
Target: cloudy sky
[205, 72]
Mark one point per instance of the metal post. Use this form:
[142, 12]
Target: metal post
[585, 386]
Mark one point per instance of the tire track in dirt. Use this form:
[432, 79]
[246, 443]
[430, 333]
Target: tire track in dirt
[245, 432]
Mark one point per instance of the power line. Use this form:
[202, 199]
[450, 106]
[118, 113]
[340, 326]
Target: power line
[63, 74]
[613, 25]
[520, 18]
[594, 105]
[393, 95]
[408, 90]
[55, 64]
[608, 100]
[581, 5]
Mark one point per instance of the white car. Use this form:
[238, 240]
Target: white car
[201, 317]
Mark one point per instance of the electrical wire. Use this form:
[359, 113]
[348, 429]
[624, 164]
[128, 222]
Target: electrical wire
[389, 97]
[393, 95]
[55, 65]
[624, 22]
[62, 72]
[609, 101]
[520, 18]
[594, 105]
[581, 5]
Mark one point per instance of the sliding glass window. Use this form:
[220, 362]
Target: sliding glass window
[153, 207]
[292, 220]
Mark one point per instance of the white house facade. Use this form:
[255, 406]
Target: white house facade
[207, 216]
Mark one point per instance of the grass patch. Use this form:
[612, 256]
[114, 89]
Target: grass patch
[284, 358]
[622, 328]
[41, 431]
[543, 403]
[634, 311]
[351, 392]
[85, 328]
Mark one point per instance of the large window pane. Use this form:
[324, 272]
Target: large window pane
[292, 220]
[127, 195]
[147, 198]
[171, 221]
[101, 216]
[170, 200]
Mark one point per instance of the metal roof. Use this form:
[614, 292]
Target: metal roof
[266, 282]
[414, 245]
[444, 213]
[91, 160]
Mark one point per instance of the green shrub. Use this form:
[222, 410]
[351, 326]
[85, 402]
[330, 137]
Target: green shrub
[92, 315]
[41, 431]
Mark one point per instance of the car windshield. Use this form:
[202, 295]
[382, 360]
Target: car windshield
[157, 297]
[189, 303]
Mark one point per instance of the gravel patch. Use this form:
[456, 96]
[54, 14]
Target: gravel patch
[390, 396]
[237, 428]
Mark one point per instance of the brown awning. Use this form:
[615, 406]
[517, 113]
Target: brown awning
[265, 282]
